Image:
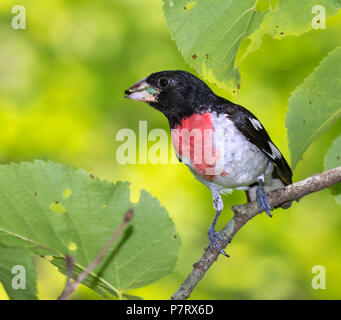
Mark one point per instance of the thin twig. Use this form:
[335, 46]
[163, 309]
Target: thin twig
[243, 213]
[70, 262]
[72, 286]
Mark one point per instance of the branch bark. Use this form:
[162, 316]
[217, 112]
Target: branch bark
[243, 213]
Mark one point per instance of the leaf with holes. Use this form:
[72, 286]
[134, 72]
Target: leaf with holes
[293, 17]
[315, 105]
[333, 160]
[52, 209]
[209, 34]
[17, 273]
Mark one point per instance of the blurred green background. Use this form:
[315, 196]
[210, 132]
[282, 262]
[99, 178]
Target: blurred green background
[61, 98]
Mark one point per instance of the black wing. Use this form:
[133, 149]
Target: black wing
[254, 132]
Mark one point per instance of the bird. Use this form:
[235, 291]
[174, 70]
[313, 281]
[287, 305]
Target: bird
[223, 144]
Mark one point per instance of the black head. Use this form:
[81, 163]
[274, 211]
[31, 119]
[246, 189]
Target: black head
[177, 94]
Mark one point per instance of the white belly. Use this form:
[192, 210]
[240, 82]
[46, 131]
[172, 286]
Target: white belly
[243, 161]
[239, 162]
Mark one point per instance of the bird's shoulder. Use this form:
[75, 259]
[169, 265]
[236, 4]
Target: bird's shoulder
[253, 130]
[245, 121]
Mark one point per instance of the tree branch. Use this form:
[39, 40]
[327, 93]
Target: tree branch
[243, 213]
[71, 286]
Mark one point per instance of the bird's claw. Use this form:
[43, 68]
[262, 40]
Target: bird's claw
[263, 202]
[213, 236]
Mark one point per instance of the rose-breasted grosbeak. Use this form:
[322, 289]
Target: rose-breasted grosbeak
[223, 144]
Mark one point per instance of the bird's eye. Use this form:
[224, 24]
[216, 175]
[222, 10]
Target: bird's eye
[163, 82]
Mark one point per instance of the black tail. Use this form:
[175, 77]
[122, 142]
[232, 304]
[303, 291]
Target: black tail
[282, 171]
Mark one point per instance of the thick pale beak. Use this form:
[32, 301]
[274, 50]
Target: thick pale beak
[141, 91]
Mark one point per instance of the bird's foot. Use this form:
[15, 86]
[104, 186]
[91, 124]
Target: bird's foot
[263, 202]
[213, 236]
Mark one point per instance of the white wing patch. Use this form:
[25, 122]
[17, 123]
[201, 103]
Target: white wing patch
[256, 124]
[275, 152]
[270, 155]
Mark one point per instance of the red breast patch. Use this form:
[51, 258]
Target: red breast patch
[194, 142]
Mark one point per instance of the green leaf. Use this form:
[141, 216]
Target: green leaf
[333, 160]
[291, 17]
[88, 211]
[209, 34]
[315, 105]
[17, 273]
